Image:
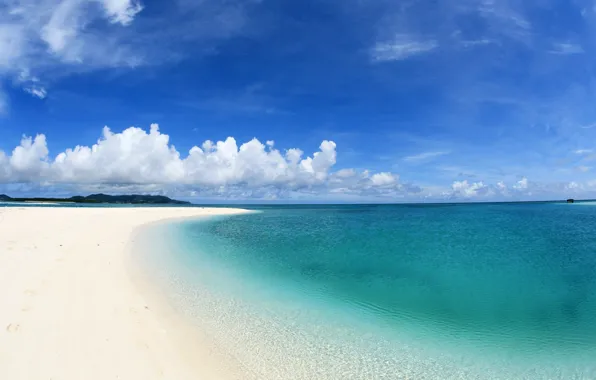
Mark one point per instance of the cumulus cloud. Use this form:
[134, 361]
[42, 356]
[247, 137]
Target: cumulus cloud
[573, 185]
[383, 179]
[145, 160]
[499, 190]
[345, 173]
[140, 157]
[121, 11]
[137, 157]
[522, 189]
[469, 190]
[522, 184]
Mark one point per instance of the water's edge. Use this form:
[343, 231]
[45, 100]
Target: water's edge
[196, 346]
[267, 332]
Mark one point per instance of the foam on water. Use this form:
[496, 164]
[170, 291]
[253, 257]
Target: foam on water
[389, 292]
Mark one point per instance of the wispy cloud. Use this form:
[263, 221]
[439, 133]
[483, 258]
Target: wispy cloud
[425, 156]
[456, 171]
[42, 41]
[251, 100]
[474, 43]
[38, 92]
[402, 47]
[504, 19]
[583, 151]
[3, 102]
[39, 37]
[566, 49]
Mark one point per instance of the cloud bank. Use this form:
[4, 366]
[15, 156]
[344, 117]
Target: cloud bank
[146, 159]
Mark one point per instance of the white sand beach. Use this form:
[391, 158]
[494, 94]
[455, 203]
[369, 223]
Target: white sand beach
[72, 308]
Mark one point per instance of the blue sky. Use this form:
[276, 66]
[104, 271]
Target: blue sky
[423, 100]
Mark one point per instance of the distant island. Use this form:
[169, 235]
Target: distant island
[101, 198]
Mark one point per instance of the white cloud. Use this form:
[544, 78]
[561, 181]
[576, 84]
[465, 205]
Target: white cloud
[28, 160]
[522, 184]
[425, 156]
[383, 179]
[400, 48]
[345, 173]
[139, 159]
[481, 190]
[50, 38]
[11, 41]
[122, 11]
[469, 190]
[62, 28]
[38, 92]
[135, 156]
[31, 84]
[573, 186]
[520, 190]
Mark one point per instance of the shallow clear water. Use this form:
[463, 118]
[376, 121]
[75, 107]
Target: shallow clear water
[493, 291]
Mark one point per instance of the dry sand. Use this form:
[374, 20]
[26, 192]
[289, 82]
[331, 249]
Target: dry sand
[70, 307]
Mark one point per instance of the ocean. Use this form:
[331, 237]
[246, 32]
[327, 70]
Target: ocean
[452, 291]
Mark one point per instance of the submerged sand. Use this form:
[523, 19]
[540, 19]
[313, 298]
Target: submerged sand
[72, 306]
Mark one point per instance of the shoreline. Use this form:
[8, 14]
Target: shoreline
[206, 358]
[77, 300]
[280, 331]
[72, 302]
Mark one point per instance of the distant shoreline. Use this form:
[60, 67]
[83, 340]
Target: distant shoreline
[47, 202]
[100, 199]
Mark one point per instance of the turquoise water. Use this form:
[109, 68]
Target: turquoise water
[491, 291]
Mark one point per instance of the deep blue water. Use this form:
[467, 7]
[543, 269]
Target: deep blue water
[380, 291]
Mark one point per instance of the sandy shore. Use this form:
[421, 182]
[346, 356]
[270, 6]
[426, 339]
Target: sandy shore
[70, 308]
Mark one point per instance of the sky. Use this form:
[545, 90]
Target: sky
[299, 100]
